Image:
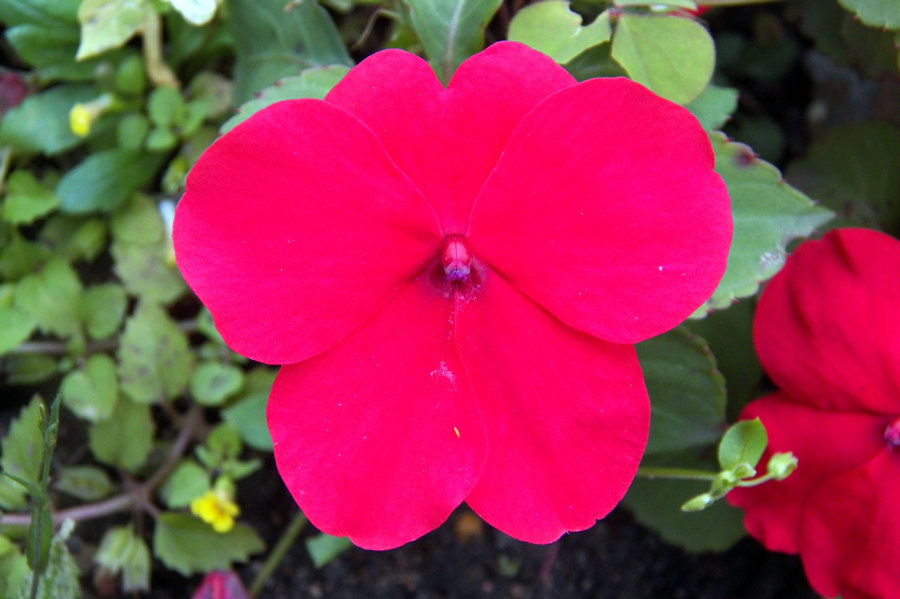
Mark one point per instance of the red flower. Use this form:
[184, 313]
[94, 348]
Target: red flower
[828, 333]
[453, 279]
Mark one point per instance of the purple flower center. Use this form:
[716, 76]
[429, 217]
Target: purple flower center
[892, 433]
[456, 259]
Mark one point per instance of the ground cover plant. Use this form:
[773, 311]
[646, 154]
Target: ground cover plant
[413, 254]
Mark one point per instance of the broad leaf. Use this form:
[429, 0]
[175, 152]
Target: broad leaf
[451, 30]
[743, 443]
[60, 579]
[87, 483]
[106, 179]
[15, 327]
[188, 481]
[881, 14]
[122, 551]
[714, 106]
[673, 56]
[43, 12]
[213, 382]
[310, 83]
[768, 213]
[249, 417]
[323, 548]
[687, 393]
[40, 124]
[854, 171]
[272, 43]
[73, 237]
[107, 24]
[52, 298]
[23, 453]
[26, 199]
[125, 439]
[154, 358]
[56, 59]
[189, 545]
[552, 28]
[656, 503]
[91, 392]
[103, 309]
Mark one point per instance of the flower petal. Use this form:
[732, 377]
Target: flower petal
[380, 437]
[827, 326]
[567, 415]
[448, 141]
[825, 444]
[850, 529]
[605, 209]
[296, 227]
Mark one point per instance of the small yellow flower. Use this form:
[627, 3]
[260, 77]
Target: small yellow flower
[84, 114]
[215, 507]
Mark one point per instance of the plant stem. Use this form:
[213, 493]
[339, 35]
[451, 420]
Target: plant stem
[58, 348]
[679, 473]
[277, 554]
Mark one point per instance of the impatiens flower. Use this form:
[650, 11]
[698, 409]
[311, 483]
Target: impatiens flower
[827, 331]
[453, 280]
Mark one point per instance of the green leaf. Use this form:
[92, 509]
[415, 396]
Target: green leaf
[40, 124]
[730, 337]
[54, 60]
[14, 570]
[106, 179]
[223, 444]
[272, 43]
[123, 551]
[213, 382]
[44, 12]
[656, 503]
[125, 439]
[60, 579]
[74, 238]
[323, 548]
[249, 417]
[768, 213]
[132, 130]
[166, 107]
[102, 309]
[310, 83]
[451, 30]
[687, 393]
[672, 56]
[52, 297]
[107, 24]
[92, 391]
[143, 254]
[26, 199]
[155, 360]
[714, 106]
[188, 481]
[30, 369]
[743, 443]
[87, 483]
[188, 545]
[882, 14]
[853, 170]
[21, 257]
[553, 28]
[15, 328]
[23, 454]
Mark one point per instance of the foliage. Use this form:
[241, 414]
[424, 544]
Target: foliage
[111, 103]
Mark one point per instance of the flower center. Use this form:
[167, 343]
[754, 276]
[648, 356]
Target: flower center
[456, 259]
[892, 433]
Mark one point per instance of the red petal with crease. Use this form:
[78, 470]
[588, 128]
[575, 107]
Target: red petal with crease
[296, 227]
[567, 415]
[850, 530]
[380, 437]
[605, 209]
[466, 126]
[827, 325]
[825, 444]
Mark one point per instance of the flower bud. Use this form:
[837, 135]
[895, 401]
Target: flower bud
[781, 465]
[698, 503]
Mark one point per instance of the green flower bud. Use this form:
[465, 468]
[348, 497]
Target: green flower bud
[698, 503]
[781, 465]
